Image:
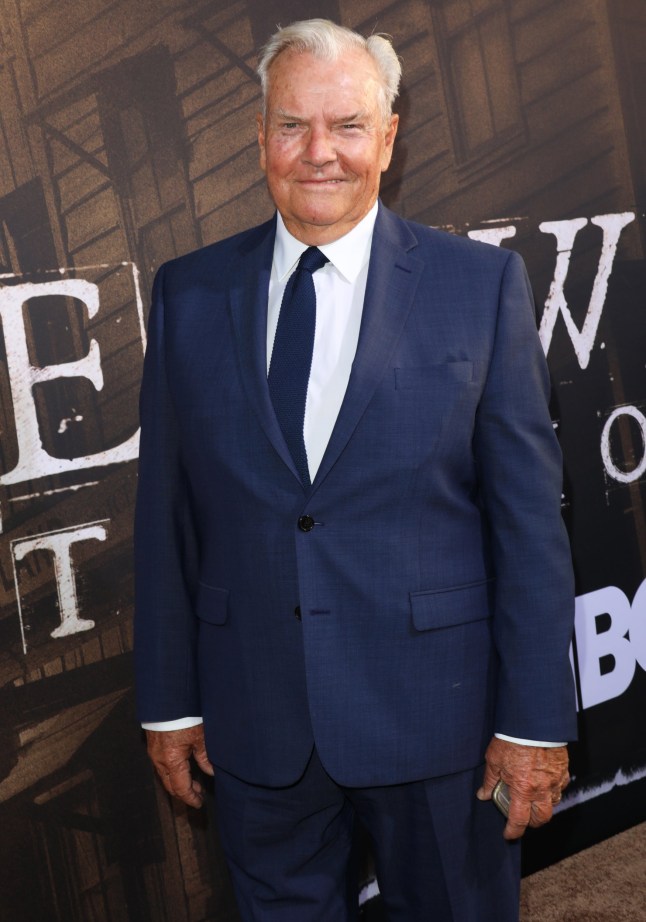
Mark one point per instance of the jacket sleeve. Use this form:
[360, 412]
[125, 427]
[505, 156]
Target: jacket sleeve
[165, 547]
[520, 471]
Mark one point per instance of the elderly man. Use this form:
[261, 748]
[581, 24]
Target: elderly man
[353, 583]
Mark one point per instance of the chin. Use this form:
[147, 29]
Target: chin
[322, 219]
[327, 206]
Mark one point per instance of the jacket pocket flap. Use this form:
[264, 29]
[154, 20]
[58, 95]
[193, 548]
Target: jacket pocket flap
[212, 604]
[441, 608]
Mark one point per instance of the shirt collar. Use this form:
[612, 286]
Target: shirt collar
[349, 254]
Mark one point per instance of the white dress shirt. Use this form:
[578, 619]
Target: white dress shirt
[340, 288]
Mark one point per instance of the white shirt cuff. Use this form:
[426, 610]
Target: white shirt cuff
[514, 739]
[181, 724]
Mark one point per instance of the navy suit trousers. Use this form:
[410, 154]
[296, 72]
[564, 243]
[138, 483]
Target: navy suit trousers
[439, 852]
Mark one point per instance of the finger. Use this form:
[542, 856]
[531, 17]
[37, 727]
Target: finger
[489, 782]
[180, 784]
[520, 809]
[556, 798]
[202, 760]
[541, 813]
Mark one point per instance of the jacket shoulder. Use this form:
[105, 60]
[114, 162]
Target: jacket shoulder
[218, 256]
[444, 244]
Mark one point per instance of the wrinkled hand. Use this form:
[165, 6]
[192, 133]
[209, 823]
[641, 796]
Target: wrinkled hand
[536, 777]
[170, 751]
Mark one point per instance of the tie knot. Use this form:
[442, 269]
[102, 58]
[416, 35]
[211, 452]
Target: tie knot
[312, 259]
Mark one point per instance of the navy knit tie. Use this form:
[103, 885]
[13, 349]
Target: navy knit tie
[291, 357]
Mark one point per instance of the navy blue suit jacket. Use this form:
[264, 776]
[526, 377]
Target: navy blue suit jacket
[435, 588]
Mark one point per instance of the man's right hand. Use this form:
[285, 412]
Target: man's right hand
[170, 752]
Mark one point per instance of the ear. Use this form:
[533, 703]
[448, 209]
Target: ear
[260, 123]
[389, 140]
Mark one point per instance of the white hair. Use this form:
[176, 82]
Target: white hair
[328, 41]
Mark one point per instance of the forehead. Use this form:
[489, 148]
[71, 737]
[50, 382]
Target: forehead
[299, 79]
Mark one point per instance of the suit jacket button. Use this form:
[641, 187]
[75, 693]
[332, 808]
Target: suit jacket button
[306, 523]
[297, 612]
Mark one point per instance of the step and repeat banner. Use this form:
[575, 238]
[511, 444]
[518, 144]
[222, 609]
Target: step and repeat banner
[127, 137]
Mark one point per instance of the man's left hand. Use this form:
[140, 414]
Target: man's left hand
[536, 777]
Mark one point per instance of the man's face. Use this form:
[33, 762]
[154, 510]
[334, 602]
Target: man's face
[323, 142]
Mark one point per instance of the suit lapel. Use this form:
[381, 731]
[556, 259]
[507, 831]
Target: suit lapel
[393, 277]
[249, 294]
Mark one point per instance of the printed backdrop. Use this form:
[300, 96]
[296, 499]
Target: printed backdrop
[127, 137]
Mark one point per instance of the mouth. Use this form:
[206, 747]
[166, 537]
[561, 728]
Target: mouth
[320, 183]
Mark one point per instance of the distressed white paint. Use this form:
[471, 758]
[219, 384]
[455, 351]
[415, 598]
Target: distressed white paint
[493, 235]
[63, 270]
[621, 779]
[59, 543]
[33, 460]
[611, 468]
[67, 421]
[565, 233]
[136, 278]
[72, 488]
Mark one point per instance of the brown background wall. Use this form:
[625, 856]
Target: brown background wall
[127, 137]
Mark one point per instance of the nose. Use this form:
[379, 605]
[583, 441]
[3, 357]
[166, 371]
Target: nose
[320, 147]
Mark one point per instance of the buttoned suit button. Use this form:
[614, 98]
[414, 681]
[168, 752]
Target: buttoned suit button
[297, 612]
[306, 523]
